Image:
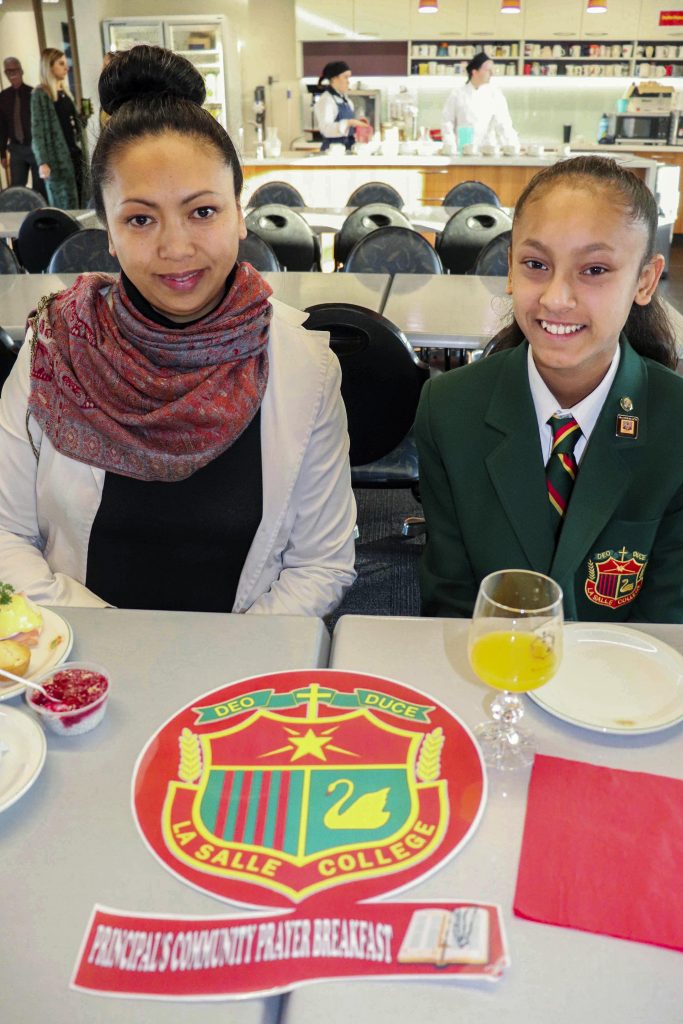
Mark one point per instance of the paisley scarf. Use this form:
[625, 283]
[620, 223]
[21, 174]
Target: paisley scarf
[111, 388]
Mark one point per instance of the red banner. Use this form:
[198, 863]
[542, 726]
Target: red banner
[667, 18]
[175, 957]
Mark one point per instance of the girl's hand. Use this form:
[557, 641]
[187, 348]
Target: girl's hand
[356, 122]
[44, 170]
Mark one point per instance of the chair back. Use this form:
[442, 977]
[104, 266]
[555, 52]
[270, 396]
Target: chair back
[276, 192]
[381, 376]
[467, 193]
[18, 198]
[393, 250]
[466, 234]
[253, 249]
[8, 264]
[375, 192]
[84, 250]
[361, 222]
[41, 232]
[492, 261]
[287, 233]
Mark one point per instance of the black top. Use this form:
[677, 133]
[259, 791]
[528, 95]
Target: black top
[7, 101]
[68, 119]
[178, 546]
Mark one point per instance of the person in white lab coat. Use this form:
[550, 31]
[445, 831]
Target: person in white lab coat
[481, 106]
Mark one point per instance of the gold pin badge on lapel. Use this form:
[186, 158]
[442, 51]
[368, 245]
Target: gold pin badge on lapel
[627, 425]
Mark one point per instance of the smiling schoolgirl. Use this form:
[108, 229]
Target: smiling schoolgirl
[559, 452]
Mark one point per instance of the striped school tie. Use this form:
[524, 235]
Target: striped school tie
[561, 469]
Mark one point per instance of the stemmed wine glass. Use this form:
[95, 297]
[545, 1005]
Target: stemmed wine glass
[514, 645]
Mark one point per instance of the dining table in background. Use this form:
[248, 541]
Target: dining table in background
[20, 293]
[11, 220]
[70, 841]
[557, 974]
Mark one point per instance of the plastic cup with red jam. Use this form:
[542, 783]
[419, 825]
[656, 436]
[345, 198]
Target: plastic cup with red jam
[80, 691]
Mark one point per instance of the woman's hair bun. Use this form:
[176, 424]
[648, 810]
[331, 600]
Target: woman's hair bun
[148, 72]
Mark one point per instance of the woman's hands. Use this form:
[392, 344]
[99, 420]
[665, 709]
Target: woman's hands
[44, 171]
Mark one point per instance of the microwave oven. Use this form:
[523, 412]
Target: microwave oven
[643, 129]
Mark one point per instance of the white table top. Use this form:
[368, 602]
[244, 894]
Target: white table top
[70, 841]
[11, 220]
[20, 293]
[447, 310]
[557, 974]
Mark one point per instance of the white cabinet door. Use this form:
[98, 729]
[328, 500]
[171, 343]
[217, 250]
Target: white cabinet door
[484, 21]
[545, 19]
[450, 21]
[383, 19]
[620, 21]
[324, 19]
[649, 27]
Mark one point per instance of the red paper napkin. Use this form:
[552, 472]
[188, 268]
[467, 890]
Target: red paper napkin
[603, 851]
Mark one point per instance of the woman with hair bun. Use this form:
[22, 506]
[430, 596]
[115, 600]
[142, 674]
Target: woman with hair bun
[58, 135]
[173, 438]
[334, 110]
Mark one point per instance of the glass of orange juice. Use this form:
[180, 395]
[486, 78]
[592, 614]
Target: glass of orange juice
[514, 645]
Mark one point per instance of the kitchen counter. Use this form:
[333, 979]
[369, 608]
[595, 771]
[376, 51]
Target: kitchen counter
[420, 180]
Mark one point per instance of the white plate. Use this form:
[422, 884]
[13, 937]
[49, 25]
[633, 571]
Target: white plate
[615, 680]
[53, 647]
[21, 763]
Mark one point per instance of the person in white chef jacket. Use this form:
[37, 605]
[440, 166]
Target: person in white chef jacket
[480, 105]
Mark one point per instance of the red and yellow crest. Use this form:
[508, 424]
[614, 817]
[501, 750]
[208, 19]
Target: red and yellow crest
[615, 577]
[274, 789]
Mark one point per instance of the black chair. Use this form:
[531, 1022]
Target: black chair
[41, 232]
[87, 249]
[393, 250]
[466, 234]
[8, 264]
[381, 383]
[18, 198]
[492, 261]
[253, 249]
[287, 233]
[276, 192]
[8, 354]
[361, 222]
[467, 193]
[375, 192]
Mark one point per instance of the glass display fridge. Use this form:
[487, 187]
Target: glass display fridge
[198, 39]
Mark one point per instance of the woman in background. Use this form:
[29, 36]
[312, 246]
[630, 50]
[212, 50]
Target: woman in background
[58, 135]
[334, 109]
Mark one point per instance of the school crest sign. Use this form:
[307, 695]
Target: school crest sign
[275, 789]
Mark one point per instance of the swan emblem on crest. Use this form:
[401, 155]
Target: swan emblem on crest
[366, 811]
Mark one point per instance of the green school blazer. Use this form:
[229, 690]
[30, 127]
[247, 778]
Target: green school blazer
[619, 556]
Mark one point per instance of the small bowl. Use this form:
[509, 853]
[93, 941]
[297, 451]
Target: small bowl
[80, 717]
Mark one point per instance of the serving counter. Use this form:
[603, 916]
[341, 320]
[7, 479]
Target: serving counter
[418, 179]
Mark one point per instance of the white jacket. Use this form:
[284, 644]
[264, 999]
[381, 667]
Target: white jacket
[485, 110]
[302, 556]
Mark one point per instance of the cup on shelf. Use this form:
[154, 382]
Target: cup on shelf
[469, 149]
[535, 149]
[511, 149]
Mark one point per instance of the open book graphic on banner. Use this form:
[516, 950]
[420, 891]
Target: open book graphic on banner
[440, 936]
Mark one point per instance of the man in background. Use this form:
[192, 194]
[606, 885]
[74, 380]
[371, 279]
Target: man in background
[16, 154]
[481, 106]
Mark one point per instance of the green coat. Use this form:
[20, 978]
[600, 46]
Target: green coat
[620, 552]
[49, 147]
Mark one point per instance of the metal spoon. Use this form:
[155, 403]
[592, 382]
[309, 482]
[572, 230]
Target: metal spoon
[6, 674]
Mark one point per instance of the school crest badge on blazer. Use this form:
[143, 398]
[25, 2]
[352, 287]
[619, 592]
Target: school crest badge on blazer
[615, 577]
